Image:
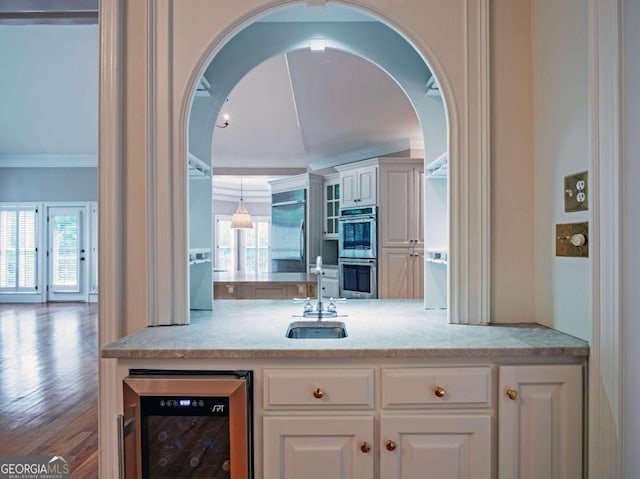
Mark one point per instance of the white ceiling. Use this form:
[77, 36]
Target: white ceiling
[314, 109]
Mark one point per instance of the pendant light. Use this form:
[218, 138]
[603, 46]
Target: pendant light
[241, 219]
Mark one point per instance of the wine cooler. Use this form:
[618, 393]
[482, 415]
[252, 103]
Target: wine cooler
[186, 424]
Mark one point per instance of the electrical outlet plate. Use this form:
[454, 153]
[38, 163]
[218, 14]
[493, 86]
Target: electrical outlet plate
[576, 196]
[564, 233]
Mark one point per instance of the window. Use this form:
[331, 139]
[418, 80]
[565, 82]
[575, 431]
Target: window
[243, 250]
[18, 248]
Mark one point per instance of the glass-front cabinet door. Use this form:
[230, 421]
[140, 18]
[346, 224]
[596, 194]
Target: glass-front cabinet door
[331, 206]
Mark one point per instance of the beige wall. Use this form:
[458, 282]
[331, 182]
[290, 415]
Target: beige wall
[561, 147]
[512, 227]
[512, 188]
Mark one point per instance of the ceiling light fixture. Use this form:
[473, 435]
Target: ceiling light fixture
[225, 121]
[241, 219]
[317, 44]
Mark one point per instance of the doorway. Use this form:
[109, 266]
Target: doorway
[67, 253]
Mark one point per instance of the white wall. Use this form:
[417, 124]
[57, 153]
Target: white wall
[49, 89]
[561, 147]
[631, 237]
[48, 184]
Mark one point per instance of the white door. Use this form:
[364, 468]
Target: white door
[67, 254]
[318, 447]
[540, 417]
[440, 446]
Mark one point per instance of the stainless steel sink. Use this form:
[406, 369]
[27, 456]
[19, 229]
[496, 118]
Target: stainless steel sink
[317, 330]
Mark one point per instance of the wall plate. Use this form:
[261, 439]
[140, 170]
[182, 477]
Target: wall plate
[570, 243]
[576, 197]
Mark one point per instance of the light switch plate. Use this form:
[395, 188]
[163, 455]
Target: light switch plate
[576, 197]
[564, 234]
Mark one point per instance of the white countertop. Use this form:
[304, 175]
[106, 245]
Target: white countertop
[376, 329]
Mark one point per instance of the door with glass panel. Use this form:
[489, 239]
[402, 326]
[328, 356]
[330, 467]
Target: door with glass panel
[67, 254]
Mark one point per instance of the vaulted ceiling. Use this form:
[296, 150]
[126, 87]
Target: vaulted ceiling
[314, 108]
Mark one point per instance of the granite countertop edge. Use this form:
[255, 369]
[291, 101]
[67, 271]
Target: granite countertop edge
[344, 353]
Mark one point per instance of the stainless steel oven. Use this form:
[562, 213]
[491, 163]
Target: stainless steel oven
[192, 424]
[357, 231]
[358, 278]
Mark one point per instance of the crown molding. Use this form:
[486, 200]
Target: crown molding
[380, 149]
[48, 161]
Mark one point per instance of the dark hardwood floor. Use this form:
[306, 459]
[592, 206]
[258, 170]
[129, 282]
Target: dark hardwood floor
[49, 383]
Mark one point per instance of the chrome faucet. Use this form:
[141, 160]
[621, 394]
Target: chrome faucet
[319, 274]
[319, 312]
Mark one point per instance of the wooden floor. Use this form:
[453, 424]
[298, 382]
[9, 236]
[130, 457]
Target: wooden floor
[49, 383]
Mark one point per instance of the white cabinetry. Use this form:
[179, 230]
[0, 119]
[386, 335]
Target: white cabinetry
[401, 273]
[446, 446]
[318, 447]
[358, 184]
[401, 195]
[330, 280]
[445, 428]
[331, 206]
[401, 228]
[326, 442]
[540, 417]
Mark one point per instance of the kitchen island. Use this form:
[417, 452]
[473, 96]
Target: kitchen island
[235, 285]
[404, 387]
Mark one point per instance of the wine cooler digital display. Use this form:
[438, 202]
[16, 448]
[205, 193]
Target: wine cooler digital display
[185, 437]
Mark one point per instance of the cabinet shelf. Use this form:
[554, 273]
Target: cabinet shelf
[197, 167]
[437, 256]
[438, 168]
[199, 255]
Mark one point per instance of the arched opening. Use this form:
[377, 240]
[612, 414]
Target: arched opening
[356, 34]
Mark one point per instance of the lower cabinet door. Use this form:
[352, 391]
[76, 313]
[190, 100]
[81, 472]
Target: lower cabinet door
[438, 446]
[540, 417]
[318, 447]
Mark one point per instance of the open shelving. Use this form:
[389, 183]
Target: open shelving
[438, 168]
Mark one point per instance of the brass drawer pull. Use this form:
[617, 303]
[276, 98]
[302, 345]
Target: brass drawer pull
[512, 394]
[439, 392]
[365, 447]
[318, 393]
[390, 445]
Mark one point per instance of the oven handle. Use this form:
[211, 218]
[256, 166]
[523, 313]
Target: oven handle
[120, 419]
[356, 219]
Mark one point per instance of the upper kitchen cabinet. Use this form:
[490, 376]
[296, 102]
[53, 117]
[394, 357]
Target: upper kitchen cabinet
[331, 205]
[358, 184]
[401, 196]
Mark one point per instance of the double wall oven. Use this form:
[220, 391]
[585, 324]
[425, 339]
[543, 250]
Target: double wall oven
[357, 253]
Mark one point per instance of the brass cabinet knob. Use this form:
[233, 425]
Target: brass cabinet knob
[439, 392]
[365, 447]
[390, 445]
[318, 393]
[512, 394]
[226, 465]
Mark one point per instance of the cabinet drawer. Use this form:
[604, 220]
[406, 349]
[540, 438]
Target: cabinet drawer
[459, 387]
[318, 388]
